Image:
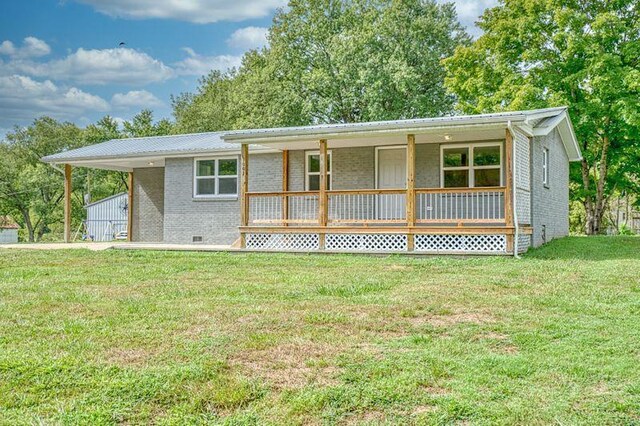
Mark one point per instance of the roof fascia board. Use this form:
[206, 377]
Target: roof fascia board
[156, 155]
[279, 138]
[545, 130]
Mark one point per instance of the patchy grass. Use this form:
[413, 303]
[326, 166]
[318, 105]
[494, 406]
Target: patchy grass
[175, 338]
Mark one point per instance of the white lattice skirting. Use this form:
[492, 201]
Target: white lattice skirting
[460, 243]
[384, 243]
[282, 241]
[366, 242]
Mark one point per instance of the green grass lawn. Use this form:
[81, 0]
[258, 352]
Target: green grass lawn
[174, 338]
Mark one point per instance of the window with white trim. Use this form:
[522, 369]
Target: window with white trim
[216, 177]
[312, 171]
[545, 166]
[471, 165]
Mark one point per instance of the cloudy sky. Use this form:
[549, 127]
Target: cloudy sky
[64, 58]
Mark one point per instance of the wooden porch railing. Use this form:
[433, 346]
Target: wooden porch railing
[377, 207]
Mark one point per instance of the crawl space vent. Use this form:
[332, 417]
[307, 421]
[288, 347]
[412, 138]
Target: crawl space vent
[197, 238]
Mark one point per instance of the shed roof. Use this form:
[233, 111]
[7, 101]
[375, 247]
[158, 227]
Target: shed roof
[7, 222]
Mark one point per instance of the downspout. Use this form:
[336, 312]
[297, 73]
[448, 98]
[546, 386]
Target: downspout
[514, 191]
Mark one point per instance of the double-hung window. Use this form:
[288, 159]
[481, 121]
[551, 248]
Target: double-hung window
[217, 177]
[312, 167]
[471, 165]
[545, 166]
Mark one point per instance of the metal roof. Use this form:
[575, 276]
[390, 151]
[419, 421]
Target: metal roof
[119, 150]
[194, 143]
[256, 135]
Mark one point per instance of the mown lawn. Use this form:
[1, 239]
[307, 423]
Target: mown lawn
[177, 338]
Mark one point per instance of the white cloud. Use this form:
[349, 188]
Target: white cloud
[197, 11]
[96, 66]
[22, 98]
[7, 48]
[248, 38]
[32, 47]
[135, 98]
[470, 10]
[199, 65]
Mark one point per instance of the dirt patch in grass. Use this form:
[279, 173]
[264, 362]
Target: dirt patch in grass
[435, 390]
[132, 357]
[423, 409]
[290, 365]
[367, 417]
[498, 342]
[452, 319]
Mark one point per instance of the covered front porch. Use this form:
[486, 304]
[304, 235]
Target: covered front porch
[429, 192]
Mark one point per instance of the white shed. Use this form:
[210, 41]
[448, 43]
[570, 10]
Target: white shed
[107, 218]
[8, 231]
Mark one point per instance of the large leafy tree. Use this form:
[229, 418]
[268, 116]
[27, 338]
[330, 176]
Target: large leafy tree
[31, 191]
[334, 61]
[580, 53]
[365, 60]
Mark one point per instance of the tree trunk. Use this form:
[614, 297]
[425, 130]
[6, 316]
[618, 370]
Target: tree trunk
[594, 205]
[28, 224]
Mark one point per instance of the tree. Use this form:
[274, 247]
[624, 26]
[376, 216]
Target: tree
[142, 125]
[584, 54]
[365, 60]
[334, 61]
[31, 191]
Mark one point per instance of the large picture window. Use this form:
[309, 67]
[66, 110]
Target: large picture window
[312, 178]
[217, 177]
[471, 165]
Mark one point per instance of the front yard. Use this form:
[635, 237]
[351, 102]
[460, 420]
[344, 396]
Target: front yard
[175, 338]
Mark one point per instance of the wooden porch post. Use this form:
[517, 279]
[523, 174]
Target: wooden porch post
[130, 209]
[508, 192]
[244, 188]
[411, 188]
[322, 198]
[285, 186]
[67, 203]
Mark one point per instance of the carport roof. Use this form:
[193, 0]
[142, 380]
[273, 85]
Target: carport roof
[161, 146]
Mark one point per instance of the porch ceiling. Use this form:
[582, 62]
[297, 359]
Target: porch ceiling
[477, 133]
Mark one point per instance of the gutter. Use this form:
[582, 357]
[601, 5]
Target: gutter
[516, 229]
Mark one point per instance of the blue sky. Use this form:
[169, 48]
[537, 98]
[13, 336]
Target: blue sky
[62, 57]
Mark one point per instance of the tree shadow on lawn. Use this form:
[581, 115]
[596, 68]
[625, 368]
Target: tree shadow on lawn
[592, 248]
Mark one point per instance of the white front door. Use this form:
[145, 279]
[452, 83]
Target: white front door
[392, 174]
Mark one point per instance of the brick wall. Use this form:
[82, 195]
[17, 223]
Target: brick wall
[148, 204]
[215, 220]
[550, 204]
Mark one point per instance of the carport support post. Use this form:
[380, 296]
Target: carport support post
[67, 203]
[411, 189]
[244, 189]
[130, 209]
[322, 196]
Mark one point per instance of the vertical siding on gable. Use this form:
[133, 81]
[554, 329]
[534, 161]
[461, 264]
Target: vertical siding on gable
[550, 206]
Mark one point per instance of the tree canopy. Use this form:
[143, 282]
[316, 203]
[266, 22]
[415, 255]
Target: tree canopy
[334, 61]
[583, 54]
[31, 191]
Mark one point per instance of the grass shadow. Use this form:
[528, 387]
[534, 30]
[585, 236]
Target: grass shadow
[593, 248]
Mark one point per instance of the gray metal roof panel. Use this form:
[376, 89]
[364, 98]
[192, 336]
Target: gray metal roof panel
[148, 146]
[399, 124]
